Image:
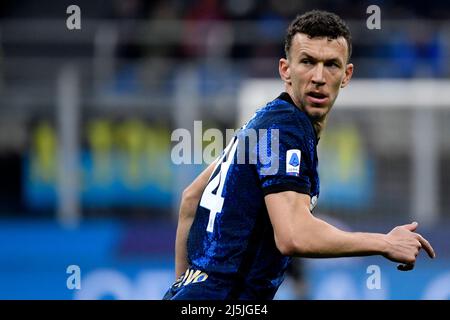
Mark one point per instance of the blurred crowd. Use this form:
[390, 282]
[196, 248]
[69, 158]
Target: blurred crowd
[416, 44]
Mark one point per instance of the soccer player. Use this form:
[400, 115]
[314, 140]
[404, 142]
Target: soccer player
[239, 225]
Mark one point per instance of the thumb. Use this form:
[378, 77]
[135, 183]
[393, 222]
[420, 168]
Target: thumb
[411, 226]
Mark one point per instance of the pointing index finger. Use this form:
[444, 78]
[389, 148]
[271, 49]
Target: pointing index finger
[426, 246]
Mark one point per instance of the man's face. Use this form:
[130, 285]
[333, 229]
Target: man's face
[315, 71]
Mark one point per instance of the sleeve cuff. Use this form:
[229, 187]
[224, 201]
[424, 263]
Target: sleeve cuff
[285, 187]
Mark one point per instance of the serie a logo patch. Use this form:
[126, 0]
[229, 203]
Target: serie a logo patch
[293, 159]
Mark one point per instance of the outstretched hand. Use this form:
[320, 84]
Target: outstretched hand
[405, 244]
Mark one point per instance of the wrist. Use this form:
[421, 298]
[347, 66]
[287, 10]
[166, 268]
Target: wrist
[383, 244]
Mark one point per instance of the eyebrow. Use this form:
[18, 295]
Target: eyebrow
[315, 59]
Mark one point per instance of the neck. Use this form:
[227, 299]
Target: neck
[319, 125]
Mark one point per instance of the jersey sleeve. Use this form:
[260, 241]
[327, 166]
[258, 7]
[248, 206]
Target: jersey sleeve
[285, 157]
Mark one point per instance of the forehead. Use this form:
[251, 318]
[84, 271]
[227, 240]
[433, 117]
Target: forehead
[319, 47]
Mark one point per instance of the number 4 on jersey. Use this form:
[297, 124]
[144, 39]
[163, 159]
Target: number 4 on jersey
[213, 201]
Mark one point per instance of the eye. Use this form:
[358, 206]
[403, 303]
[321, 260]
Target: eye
[332, 64]
[306, 61]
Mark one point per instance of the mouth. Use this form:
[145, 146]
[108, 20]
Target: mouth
[317, 97]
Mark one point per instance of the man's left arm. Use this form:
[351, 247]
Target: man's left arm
[188, 207]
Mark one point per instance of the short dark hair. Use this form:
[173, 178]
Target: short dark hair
[318, 23]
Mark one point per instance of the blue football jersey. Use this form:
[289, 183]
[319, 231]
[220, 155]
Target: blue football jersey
[231, 245]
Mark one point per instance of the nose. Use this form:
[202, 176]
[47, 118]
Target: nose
[318, 78]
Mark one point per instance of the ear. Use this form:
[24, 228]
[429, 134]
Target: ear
[348, 75]
[284, 70]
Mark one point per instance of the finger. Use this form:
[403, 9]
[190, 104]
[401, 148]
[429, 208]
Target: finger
[426, 246]
[411, 226]
[405, 267]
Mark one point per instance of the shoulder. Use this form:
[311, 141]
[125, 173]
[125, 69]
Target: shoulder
[282, 118]
[277, 114]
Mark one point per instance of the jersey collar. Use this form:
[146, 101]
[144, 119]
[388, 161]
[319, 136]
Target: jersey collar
[286, 97]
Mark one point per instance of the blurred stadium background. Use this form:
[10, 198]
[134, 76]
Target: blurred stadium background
[87, 116]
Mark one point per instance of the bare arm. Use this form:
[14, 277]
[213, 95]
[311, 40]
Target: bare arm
[188, 207]
[297, 232]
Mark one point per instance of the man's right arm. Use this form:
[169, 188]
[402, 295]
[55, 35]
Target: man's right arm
[188, 207]
[297, 232]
